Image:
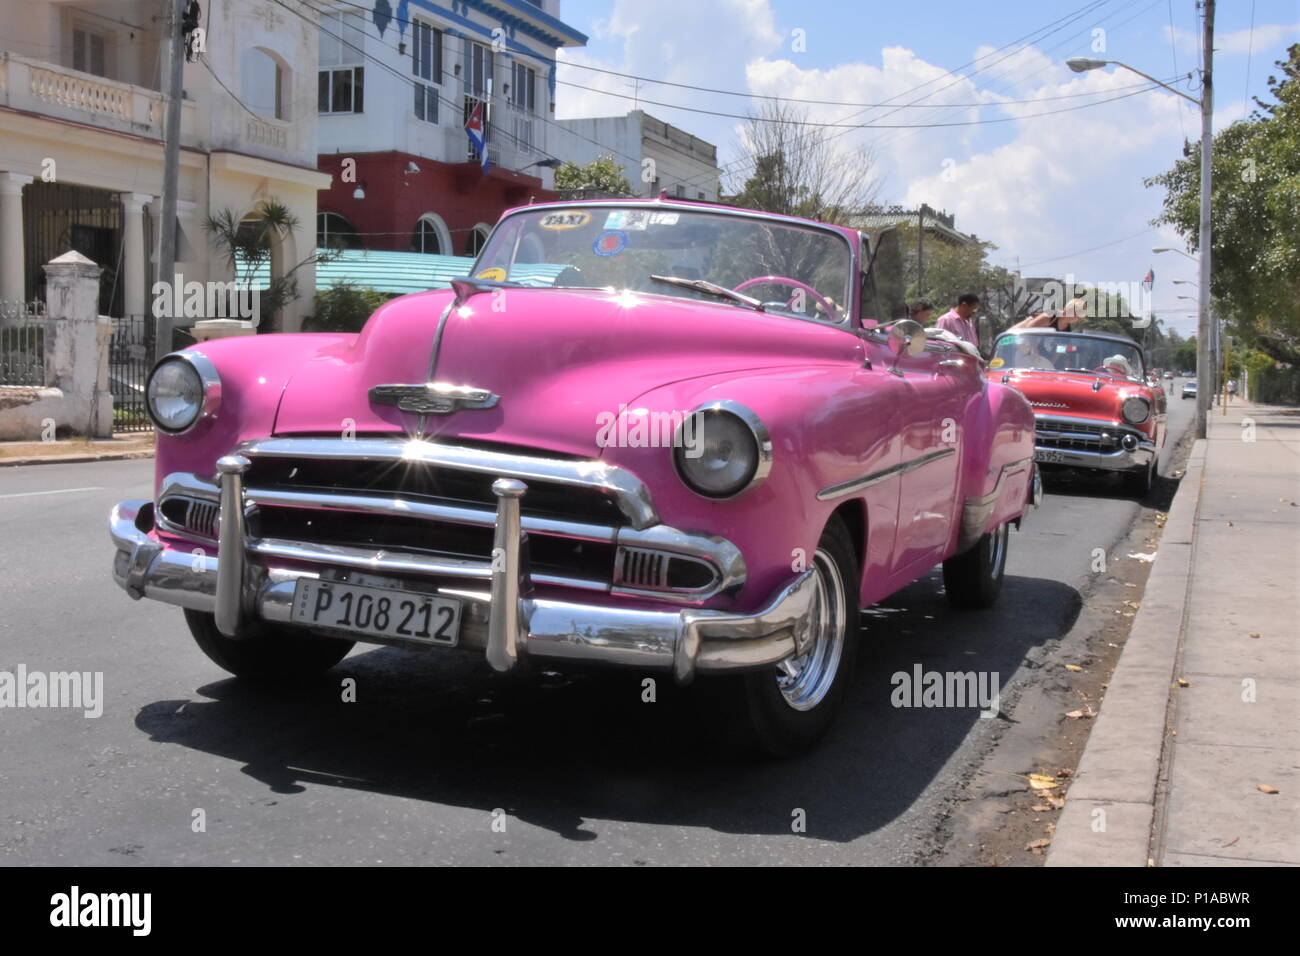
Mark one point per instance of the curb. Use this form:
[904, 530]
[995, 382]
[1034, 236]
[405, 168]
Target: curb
[1110, 807]
[74, 459]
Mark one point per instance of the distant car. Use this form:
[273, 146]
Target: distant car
[1169, 376]
[1094, 406]
[1189, 388]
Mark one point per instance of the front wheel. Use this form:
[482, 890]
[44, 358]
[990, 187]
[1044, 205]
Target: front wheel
[973, 579]
[268, 652]
[785, 710]
[1138, 483]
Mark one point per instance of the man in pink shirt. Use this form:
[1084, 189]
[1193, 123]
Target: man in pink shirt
[958, 319]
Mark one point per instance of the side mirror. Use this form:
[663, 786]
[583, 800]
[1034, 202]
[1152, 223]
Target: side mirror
[907, 336]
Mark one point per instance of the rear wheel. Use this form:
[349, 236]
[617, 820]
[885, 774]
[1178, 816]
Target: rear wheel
[785, 710]
[973, 579]
[268, 652]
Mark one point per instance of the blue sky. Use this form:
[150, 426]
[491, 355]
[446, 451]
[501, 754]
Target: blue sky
[1043, 189]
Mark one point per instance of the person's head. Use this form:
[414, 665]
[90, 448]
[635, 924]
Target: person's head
[967, 305]
[920, 311]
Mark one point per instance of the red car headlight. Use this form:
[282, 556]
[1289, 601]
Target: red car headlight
[1135, 410]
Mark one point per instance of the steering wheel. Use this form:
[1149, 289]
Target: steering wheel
[829, 309]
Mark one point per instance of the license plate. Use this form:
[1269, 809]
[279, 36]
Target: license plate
[383, 612]
[1049, 456]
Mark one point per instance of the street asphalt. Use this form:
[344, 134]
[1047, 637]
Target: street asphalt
[440, 761]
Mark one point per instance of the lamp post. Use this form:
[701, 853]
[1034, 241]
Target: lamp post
[1204, 365]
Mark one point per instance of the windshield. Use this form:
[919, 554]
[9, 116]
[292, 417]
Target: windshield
[1068, 351]
[786, 267]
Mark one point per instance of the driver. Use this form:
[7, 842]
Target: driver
[1120, 365]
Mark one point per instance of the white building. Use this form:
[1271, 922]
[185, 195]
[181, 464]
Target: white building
[655, 155]
[398, 80]
[81, 154]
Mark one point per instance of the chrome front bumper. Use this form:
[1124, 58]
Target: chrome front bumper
[1123, 459]
[507, 622]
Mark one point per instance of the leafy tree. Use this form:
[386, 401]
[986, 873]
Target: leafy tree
[601, 174]
[344, 307]
[1255, 217]
[248, 243]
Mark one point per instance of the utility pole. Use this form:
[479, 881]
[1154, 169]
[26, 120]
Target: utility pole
[920, 241]
[171, 166]
[1205, 366]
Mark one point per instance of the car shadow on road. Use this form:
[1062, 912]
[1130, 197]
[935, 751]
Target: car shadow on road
[567, 752]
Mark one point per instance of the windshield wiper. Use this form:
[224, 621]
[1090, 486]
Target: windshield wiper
[712, 288]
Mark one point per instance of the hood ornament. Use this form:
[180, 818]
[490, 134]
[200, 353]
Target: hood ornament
[433, 398]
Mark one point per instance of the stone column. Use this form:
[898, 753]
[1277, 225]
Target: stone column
[135, 277]
[12, 266]
[74, 342]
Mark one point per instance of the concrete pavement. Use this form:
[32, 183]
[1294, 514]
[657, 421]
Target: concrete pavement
[1195, 757]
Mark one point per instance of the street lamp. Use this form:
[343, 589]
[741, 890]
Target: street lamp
[1204, 370]
[1179, 251]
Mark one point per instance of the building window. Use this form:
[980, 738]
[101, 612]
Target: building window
[341, 83]
[88, 52]
[476, 240]
[426, 52]
[341, 91]
[523, 86]
[478, 69]
[426, 103]
[335, 232]
[262, 83]
[431, 236]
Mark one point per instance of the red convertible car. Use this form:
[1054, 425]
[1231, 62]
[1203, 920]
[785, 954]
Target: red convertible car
[1094, 406]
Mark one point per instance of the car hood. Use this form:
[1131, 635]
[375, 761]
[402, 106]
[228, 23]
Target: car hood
[1073, 393]
[557, 359]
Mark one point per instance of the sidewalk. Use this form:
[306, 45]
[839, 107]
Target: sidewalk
[67, 451]
[1200, 714]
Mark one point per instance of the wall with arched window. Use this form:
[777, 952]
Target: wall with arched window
[336, 232]
[431, 235]
[265, 83]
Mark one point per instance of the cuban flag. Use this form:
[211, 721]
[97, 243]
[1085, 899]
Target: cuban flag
[1149, 280]
[474, 130]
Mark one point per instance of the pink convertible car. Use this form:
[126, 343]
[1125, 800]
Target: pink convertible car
[657, 435]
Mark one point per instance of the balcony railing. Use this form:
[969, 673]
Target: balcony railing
[38, 86]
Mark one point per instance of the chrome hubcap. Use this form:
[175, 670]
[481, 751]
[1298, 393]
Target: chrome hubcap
[805, 679]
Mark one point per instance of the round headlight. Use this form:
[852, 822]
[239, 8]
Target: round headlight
[175, 395]
[1135, 410]
[721, 450]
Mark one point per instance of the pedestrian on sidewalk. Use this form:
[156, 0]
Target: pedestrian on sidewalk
[959, 320]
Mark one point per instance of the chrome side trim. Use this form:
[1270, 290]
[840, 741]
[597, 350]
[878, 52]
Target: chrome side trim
[433, 398]
[876, 477]
[628, 491]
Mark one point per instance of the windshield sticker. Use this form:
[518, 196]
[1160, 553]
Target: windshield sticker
[495, 274]
[633, 219]
[610, 243]
[664, 218]
[997, 363]
[565, 220]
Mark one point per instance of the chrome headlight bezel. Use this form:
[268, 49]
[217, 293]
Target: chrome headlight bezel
[199, 365]
[1141, 410]
[761, 449]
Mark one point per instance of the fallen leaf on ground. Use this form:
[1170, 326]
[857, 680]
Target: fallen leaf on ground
[1254, 633]
[1041, 781]
[1041, 808]
[1038, 845]
[1073, 667]
[1265, 788]
[1183, 682]
[1082, 714]
[1057, 803]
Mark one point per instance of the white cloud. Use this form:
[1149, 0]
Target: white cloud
[1239, 42]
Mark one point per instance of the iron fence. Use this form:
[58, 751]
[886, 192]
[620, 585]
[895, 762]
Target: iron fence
[130, 357]
[22, 344]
